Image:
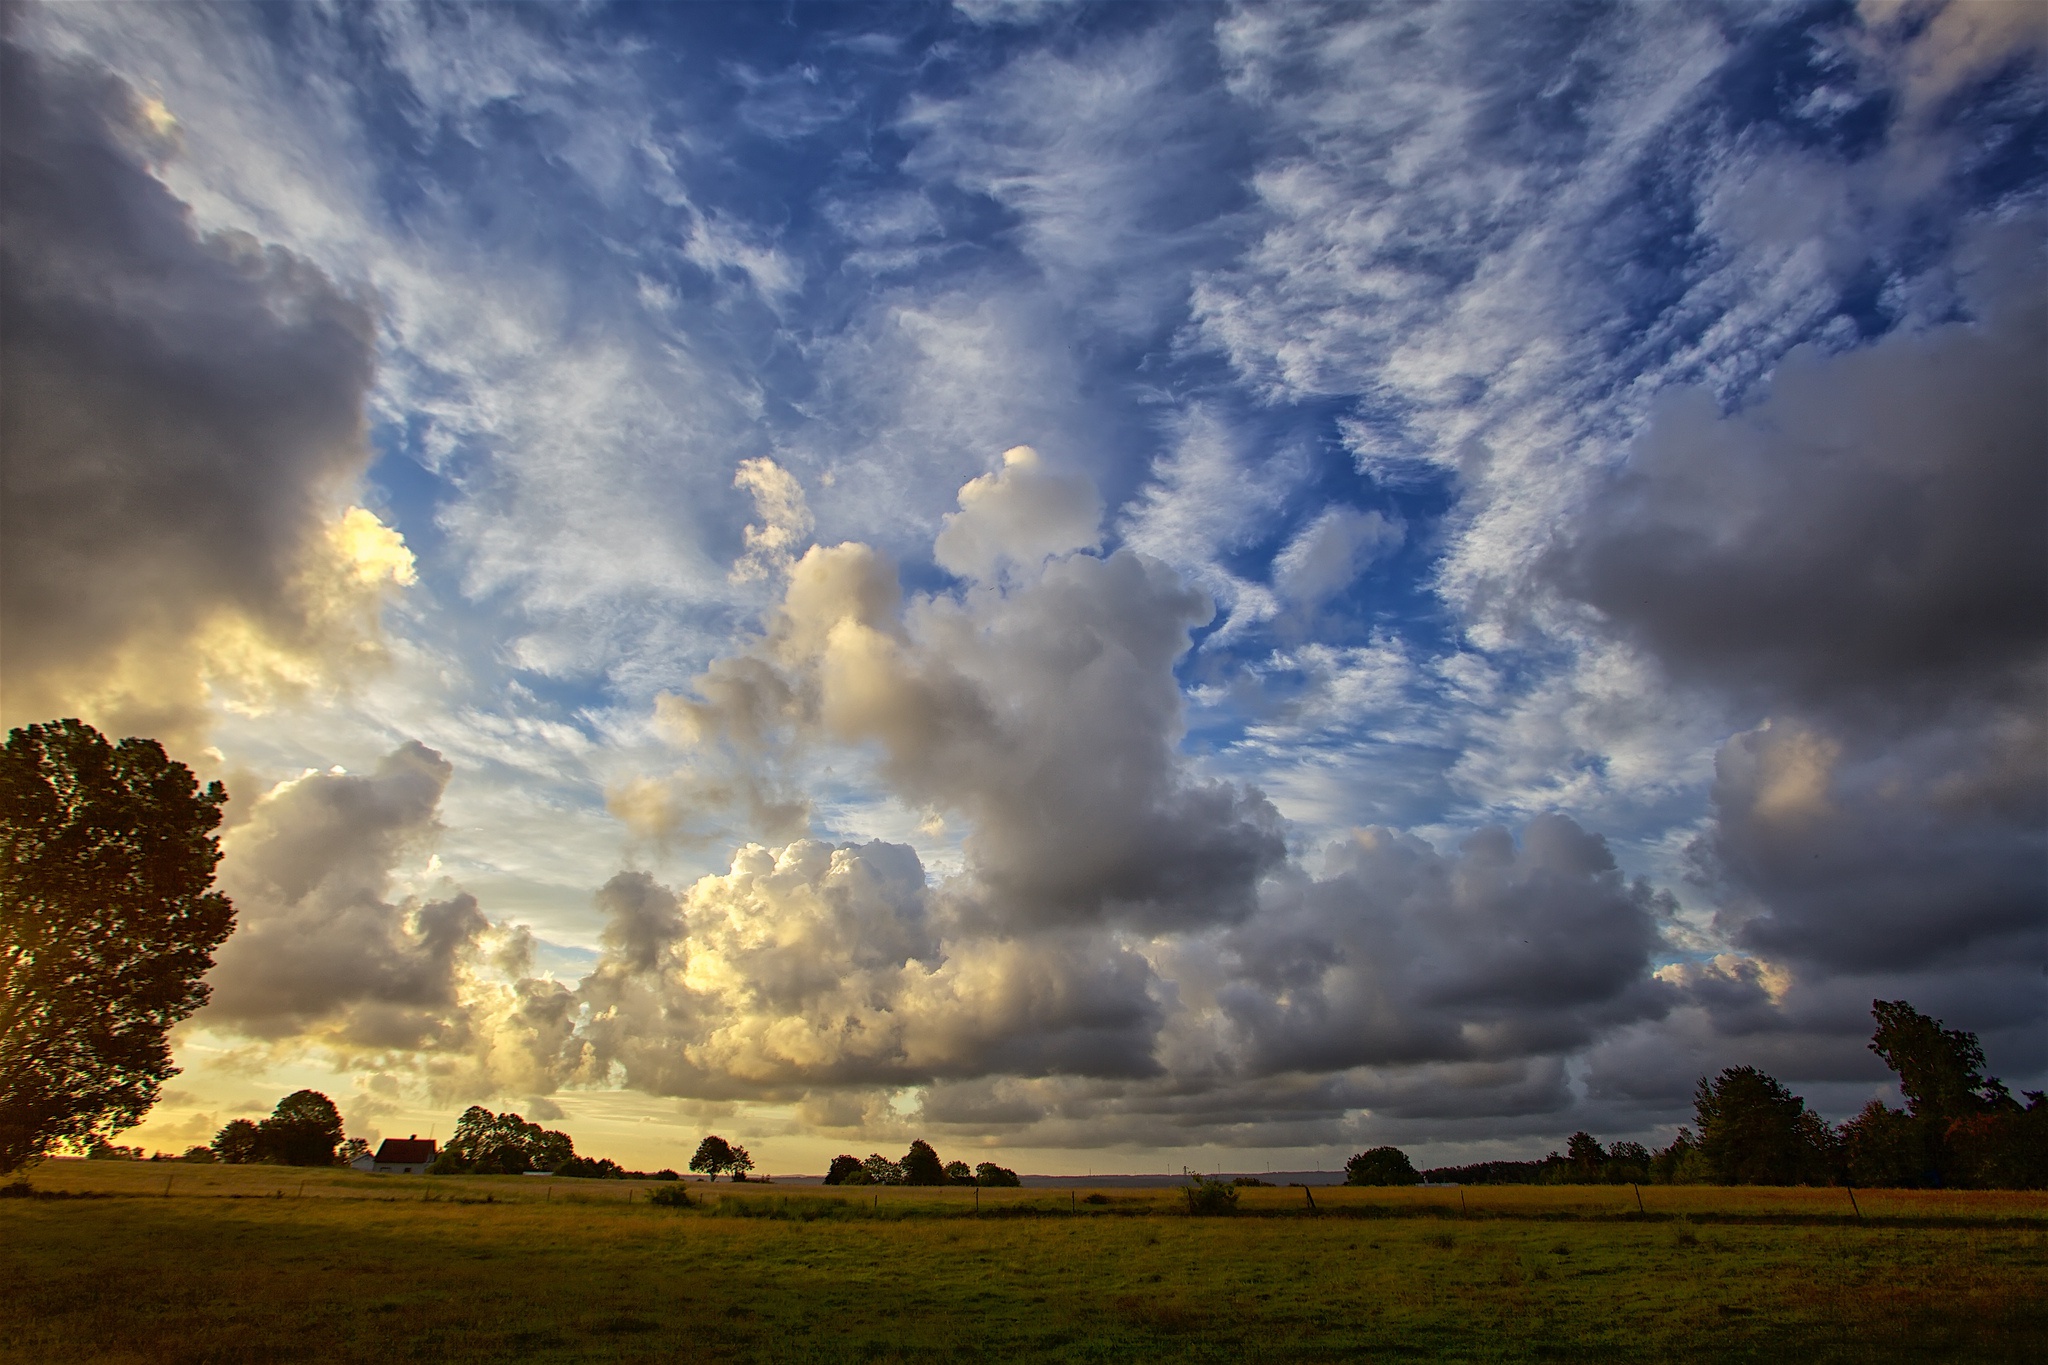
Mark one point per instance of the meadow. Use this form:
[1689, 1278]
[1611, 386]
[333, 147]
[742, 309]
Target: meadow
[120, 1261]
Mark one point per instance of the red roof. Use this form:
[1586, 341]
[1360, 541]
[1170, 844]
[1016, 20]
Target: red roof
[405, 1152]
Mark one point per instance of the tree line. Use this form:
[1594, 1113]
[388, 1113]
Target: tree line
[919, 1166]
[1960, 1129]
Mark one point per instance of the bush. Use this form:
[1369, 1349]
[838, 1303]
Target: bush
[1207, 1196]
[676, 1196]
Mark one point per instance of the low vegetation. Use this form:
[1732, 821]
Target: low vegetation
[270, 1263]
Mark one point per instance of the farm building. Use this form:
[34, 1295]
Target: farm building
[399, 1156]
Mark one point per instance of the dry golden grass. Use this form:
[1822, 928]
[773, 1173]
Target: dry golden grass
[238, 1264]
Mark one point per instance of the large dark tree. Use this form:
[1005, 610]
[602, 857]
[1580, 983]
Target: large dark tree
[843, 1166]
[303, 1130]
[1753, 1131]
[1941, 1071]
[1380, 1166]
[237, 1142]
[1960, 1126]
[921, 1165]
[714, 1154]
[107, 923]
[485, 1143]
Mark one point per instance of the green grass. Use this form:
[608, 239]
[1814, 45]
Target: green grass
[235, 1264]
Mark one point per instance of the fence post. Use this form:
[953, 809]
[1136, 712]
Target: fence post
[1639, 1199]
[1309, 1194]
[1852, 1202]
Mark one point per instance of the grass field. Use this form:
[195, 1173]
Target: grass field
[269, 1263]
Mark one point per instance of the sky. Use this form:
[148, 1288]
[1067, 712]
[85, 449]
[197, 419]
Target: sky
[1115, 587]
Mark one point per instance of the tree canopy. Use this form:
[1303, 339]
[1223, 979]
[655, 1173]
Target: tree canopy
[303, 1130]
[1753, 1131]
[485, 1143]
[921, 1165]
[1941, 1071]
[107, 924]
[715, 1155]
[1380, 1166]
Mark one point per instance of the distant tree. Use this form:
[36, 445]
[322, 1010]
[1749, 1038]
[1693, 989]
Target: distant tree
[350, 1149]
[1627, 1163]
[994, 1176]
[199, 1156]
[550, 1149]
[303, 1130]
[1586, 1155]
[842, 1167]
[2005, 1150]
[1680, 1163]
[1884, 1147]
[921, 1165]
[959, 1173]
[739, 1163]
[714, 1155]
[880, 1170]
[99, 1149]
[1380, 1166]
[107, 924]
[236, 1142]
[591, 1168]
[1753, 1131]
[485, 1143]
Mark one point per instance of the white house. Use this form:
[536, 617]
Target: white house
[399, 1156]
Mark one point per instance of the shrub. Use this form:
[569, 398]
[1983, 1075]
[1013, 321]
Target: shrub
[676, 1196]
[1207, 1196]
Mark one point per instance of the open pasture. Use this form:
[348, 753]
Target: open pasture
[273, 1263]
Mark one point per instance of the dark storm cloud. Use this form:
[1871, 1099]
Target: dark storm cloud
[180, 411]
[1402, 954]
[1856, 562]
[1885, 853]
[1870, 530]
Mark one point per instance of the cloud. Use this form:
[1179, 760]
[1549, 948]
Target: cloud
[327, 952]
[319, 943]
[1042, 711]
[1868, 528]
[1327, 555]
[820, 965]
[785, 520]
[184, 428]
[1022, 514]
[1400, 954]
[1857, 557]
